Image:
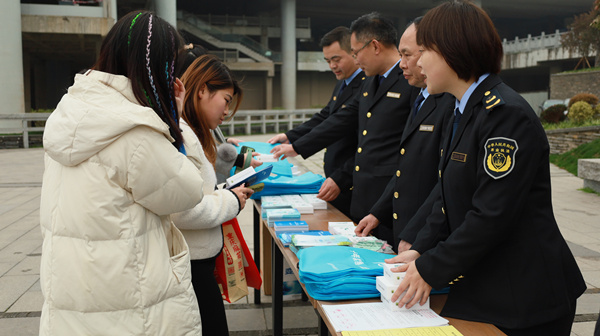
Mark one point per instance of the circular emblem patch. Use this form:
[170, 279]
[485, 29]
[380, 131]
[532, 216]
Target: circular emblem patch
[499, 156]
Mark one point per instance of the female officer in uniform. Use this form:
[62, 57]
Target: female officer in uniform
[491, 233]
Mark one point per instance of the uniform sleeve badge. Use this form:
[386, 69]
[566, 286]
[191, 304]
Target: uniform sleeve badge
[500, 156]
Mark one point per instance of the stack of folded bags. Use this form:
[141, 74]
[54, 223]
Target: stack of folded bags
[282, 181]
[340, 272]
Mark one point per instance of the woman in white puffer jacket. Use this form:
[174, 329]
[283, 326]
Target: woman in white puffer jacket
[112, 261]
[210, 89]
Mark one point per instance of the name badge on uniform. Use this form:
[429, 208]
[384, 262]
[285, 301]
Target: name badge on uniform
[460, 157]
[393, 94]
[426, 128]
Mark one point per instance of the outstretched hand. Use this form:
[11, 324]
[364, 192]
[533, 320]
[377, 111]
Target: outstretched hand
[284, 151]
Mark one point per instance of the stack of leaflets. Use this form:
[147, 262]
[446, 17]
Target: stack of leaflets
[317, 203]
[388, 284]
[286, 237]
[300, 242]
[342, 228]
[290, 226]
[369, 243]
[285, 214]
[272, 202]
[299, 203]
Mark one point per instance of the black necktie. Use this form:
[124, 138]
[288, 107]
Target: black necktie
[379, 79]
[457, 116]
[342, 87]
[417, 105]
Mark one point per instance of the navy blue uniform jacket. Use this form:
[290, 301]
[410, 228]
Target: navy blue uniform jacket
[492, 231]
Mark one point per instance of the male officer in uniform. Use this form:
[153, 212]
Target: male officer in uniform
[336, 50]
[379, 112]
[420, 148]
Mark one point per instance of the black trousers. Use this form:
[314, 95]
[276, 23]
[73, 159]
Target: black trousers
[559, 327]
[212, 309]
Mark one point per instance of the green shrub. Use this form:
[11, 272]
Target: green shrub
[589, 98]
[554, 114]
[597, 112]
[581, 112]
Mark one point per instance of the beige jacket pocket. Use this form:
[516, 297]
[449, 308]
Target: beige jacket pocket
[180, 255]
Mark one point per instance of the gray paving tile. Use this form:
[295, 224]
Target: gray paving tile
[588, 304]
[295, 317]
[18, 250]
[246, 319]
[13, 287]
[30, 265]
[583, 329]
[581, 251]
[20, 326]
[28, 302]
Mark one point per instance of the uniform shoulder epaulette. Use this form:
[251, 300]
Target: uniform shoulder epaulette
[492, 99]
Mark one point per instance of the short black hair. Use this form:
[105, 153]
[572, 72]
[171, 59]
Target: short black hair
[339, 34]
[415, 21]
[465, 37]
[375, 26]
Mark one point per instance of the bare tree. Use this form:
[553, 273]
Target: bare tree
[584, 36]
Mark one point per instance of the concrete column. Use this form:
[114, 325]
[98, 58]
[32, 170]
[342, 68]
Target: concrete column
[12, 94]
[269, 92]
[167, 10]
[264, 36]
[288, 52]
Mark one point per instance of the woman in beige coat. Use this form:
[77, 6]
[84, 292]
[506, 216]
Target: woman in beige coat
[112, 261]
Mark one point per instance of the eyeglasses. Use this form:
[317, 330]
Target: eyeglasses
[354, 54]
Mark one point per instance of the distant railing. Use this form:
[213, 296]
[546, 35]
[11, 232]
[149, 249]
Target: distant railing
[26, 120]
[244, 122]
[265, 121]
[532, 43]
